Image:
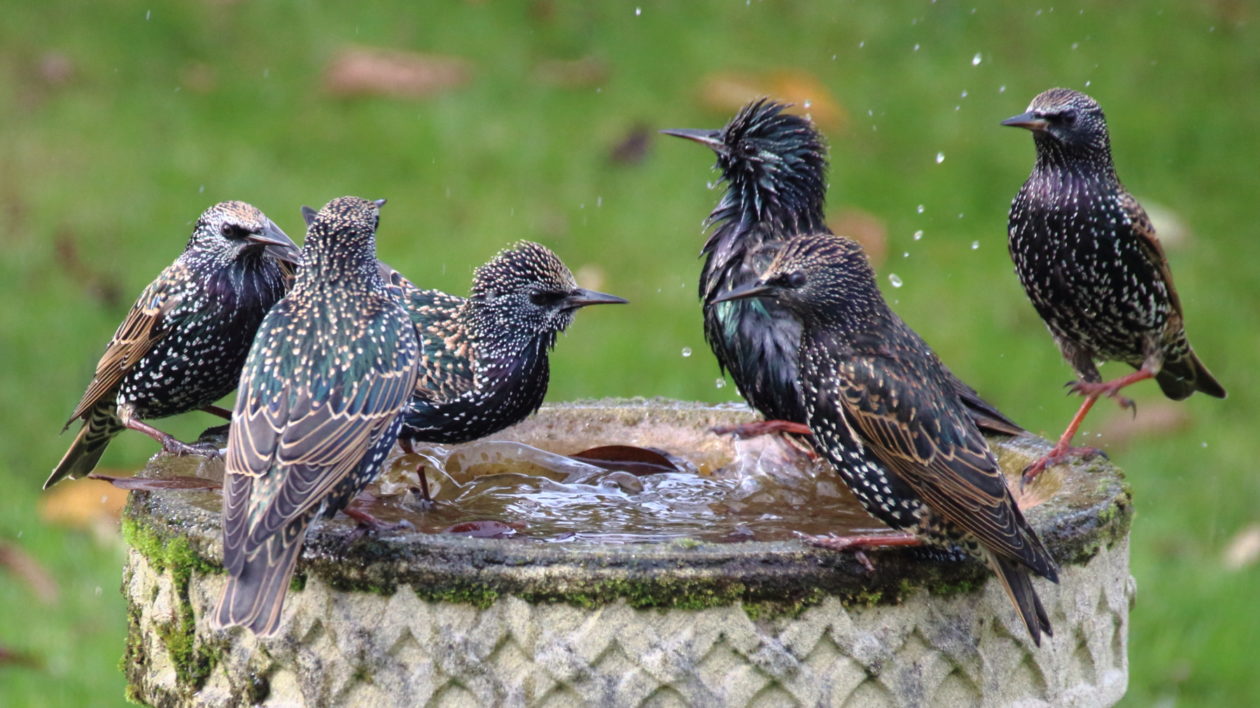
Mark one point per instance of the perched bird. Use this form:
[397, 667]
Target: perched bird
[885, 413]
[318, 409]
[182, 345]
[1088, 257]
[773, 164]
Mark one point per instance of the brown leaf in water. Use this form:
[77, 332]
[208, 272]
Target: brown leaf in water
[399, 74]
[485, 528]
[151, 484]
[628, 458]
[727, 92]
[82, 504]
[42, 584]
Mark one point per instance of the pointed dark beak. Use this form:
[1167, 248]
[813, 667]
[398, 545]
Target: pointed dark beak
[1028, 120]
[308, 214]
[379, 203]
[278, 244]
[754, 290]
[710, 138]
[582, 297]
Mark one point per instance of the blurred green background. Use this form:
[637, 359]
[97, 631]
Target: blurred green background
[122, 121]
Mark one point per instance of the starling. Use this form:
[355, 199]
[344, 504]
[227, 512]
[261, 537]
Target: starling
[773, 164]
[318, 409]
[1088, 257]
[182, 345]
[887, 415]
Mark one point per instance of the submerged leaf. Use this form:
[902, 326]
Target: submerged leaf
[485, 528]
[628, 458]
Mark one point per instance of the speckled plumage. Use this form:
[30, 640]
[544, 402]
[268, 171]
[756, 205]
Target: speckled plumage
[330, 370]
[484, 359]
[1087, 255]
[182, 345]
[773, 164]
[884, 412]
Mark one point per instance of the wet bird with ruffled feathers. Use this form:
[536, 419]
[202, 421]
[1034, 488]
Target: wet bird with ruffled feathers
[182, 345]
[1087, 255]
[885, 413]
[773, 163]
[331, 369]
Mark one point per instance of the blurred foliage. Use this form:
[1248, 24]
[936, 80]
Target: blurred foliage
[122, 121]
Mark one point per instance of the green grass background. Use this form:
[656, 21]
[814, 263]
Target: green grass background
[122, 155]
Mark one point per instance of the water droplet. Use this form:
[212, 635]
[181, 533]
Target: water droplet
[97, 591]
[895, 280]
[719, 383]
[918, 235]
[807, 104]
[961, 215]
[201, 189]
[148, 15]
[975, 245]
[861, 44]
[1087, 83]
[916, 46]
[638, 11]
[940, 157]
[599, 201]
[975, 61]
[1002, 88]
[686, 352]
[1076, 45]
[1203, 444]
[905, 254]
[919, 208]
[963, 94]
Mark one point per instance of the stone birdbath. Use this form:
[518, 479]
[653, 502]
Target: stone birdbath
[710, 616]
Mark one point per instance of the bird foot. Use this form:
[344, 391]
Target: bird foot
[858, 544]
[761, 427]
[1059, 454]
[175, 447]
[370, 524]
[420, 498]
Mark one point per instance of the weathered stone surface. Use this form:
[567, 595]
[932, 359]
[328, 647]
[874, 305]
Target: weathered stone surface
[438, 620]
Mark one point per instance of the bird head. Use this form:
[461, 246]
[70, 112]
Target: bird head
[528, 290]
[231, 230]
[773, 160]
[342, 236]
[1064, 122]
[818, 277]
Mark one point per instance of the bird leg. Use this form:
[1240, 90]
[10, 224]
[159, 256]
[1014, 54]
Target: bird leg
[370, 524]
[216, 410]
[1111, 389]
[1063, 449]
[426, 501]
[169, 443]
[762, 427]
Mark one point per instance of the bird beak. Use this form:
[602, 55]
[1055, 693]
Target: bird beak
[308, 215]
[754, 290]
[1029, 120]
[278, 244]
[710, 138]
[582, 297]
[379, 203]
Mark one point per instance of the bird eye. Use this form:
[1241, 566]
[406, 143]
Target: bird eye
[545, 298]
[233, 231]
[748, 149]
[795, 279]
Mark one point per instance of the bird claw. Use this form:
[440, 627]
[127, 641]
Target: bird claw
[183, 449]
[761, 427]
[1052, 458]
[857, 544]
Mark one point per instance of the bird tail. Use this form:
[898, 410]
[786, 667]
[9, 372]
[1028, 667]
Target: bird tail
[254, 596]
[984, 414]
[101, 425]
[1182, 377]
[1018, 585]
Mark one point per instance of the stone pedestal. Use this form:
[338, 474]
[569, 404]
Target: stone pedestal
[419, 619]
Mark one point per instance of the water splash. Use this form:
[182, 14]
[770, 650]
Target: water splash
[975, 61]
[686, 352]
[895, 280]
[940, 157]
[918, 235]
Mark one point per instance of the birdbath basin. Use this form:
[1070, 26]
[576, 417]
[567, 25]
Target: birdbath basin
[748, 616]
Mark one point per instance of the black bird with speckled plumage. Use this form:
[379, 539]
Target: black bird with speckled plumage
[1089, 259]
[484, 359]
[330, 370]
[773, 164]
[885, 414]
[182, 345]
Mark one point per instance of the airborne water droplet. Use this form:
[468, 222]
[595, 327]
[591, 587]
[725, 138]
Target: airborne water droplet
[940, 157]
[918, 235]
[975, 245]
[975, 61]
[895, 280]
[719, 383]
[686, 352]
[638, 11]
[919, 208]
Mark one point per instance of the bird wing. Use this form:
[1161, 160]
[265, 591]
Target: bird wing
[305, 419]
[143, 327]
[925, 437]
[1144, 230]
